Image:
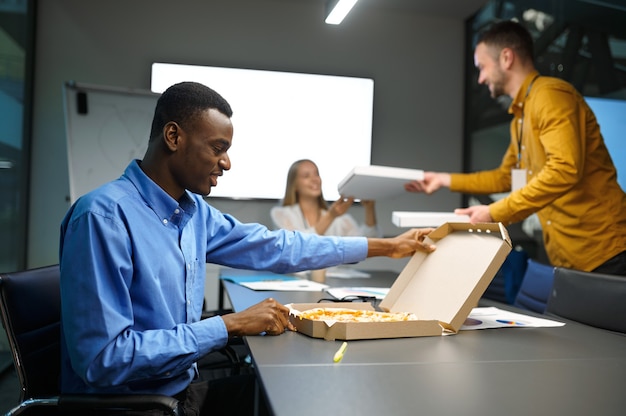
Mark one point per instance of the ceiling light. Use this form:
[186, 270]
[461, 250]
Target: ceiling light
[336, 10]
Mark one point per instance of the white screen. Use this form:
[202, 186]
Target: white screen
[611, 115]
[280, 117]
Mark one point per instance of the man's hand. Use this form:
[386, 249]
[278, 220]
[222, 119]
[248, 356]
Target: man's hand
[268, 316]
[403, 245]
[432, 182]
[476, 213]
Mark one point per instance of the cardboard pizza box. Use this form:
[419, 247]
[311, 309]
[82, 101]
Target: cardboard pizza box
[440, 288]
[410, 219]
[377, 182]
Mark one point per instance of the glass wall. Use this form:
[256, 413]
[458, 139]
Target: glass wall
[16, 51]
[581, 41]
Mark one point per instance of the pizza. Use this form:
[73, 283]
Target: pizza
[354, 315]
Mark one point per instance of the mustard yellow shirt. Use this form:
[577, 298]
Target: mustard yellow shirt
[571, 182]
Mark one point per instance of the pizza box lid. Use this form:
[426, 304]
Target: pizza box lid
[441, 287]
[446, 284]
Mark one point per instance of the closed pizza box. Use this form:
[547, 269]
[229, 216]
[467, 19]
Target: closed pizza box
[377, 182]
[440, 288]
[425, 219]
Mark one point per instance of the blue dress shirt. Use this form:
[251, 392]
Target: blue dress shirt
[133, 265]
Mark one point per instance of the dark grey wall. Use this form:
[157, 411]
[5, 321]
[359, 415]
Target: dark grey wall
[415, 59]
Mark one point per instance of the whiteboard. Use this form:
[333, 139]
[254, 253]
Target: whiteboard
[106, 128]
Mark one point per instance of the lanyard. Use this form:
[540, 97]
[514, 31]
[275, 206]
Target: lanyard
[521, 124]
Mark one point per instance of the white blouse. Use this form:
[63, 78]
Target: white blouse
[291, 218]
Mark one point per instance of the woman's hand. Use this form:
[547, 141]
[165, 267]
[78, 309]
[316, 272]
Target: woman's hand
[340, 206]
[370, 212]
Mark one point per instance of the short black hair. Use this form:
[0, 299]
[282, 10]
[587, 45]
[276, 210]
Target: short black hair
[509, 34]
[182, 102]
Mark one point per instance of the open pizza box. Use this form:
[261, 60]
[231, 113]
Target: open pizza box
[440, 288]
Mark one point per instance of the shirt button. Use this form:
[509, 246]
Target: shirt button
[549, 222]
[519, 121]
[176, 211]
[188, 302]
[164, 221]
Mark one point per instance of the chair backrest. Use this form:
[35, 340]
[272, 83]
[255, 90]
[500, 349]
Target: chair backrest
[30, 305]
[536, 286]
[590, 298]
[506, 283]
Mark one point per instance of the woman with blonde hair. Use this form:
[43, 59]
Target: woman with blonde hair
[304, 208]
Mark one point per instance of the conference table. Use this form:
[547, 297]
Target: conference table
[568, 370]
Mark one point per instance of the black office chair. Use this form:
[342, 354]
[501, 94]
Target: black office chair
[590, 298]
[534, 291]
[30, 306]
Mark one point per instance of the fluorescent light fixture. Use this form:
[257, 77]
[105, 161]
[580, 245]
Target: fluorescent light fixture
[336, 10]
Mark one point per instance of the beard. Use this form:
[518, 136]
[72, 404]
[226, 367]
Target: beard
[497, 84]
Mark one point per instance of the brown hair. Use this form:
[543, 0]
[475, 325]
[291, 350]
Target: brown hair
[509, 34]
[291, 196]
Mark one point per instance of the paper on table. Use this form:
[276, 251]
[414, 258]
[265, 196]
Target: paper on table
[257, 277]
[301, 285]
[492, 317]
[345, 273]
[343, 292]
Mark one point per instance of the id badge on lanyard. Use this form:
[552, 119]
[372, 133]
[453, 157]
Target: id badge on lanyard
[518, 175]
[518, 179]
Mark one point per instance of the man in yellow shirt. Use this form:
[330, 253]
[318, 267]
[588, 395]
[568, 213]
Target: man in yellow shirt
[556, 165]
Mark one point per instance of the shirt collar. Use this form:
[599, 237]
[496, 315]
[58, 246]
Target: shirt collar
[518, 101]
[156, 198]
